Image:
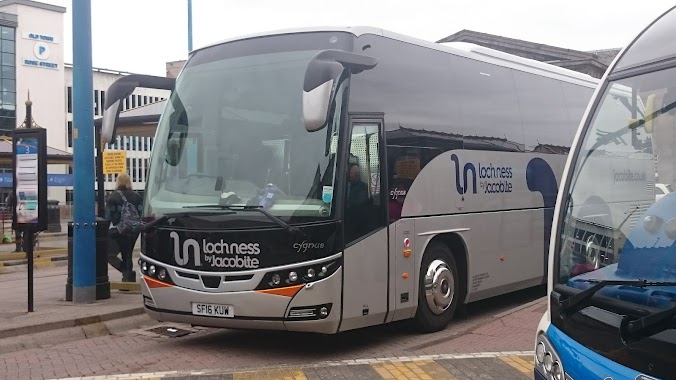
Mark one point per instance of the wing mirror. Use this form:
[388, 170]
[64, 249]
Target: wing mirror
[321, 78]
[120, 90]
[649, 114]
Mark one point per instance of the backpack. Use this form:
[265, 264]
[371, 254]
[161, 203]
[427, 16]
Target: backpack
[130, 220]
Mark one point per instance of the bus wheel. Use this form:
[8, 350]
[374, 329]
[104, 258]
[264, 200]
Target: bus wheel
[439, 293]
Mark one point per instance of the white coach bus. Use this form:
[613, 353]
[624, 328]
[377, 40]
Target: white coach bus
[331, 179]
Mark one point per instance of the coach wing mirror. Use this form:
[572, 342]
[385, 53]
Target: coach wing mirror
[321, 76]
[120, 90]
[649, 114]
[174, 148]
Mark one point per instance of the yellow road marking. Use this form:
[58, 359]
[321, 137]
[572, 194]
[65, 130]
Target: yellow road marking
[412, 370]
[36, 254]
[130, 286]
[43, 262]
[271, 374]
[518, 363]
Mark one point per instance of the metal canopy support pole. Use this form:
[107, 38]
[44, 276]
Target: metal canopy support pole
[100, 190]
[84, 249]
[189, 26]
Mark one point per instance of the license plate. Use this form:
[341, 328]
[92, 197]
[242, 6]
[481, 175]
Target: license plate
[213, 310]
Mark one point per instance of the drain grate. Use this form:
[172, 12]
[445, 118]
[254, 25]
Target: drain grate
[172, 332]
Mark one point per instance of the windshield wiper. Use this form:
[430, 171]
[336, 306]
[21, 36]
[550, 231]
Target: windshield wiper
[168, 216]
[278, 221]
[650, 324]
[572, 303]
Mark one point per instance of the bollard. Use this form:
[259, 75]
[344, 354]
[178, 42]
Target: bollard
[53, 216]
[102, 280]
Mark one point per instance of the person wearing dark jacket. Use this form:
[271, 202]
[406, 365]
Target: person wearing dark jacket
[124, 244]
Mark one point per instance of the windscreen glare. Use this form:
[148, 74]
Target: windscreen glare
[233, 134]
[617, 225]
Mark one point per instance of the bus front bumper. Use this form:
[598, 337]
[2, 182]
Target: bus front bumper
[313, 307]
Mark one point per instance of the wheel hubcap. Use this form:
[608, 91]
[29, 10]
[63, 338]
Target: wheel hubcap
[439, 289]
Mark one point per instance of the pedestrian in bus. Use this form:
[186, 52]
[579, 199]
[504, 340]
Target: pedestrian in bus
[357, 200]
[123, 242]
[357, 190]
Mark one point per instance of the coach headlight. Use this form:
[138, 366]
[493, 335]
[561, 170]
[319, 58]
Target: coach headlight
[301, 274]
[155, 271]
[547, 360]
[293, 276]
[540, 353]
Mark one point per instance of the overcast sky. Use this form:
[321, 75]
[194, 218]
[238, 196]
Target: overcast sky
[141, 35]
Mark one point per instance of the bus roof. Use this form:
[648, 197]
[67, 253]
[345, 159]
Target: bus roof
[464, 49]
[654, 45]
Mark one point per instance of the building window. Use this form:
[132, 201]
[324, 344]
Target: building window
[103, 101]
[70, 134]
[96, 102]
[7, 80]
[70, 99]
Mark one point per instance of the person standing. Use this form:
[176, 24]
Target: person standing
[124, 242]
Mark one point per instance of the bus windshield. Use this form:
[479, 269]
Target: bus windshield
[615, 225]
[232, 134]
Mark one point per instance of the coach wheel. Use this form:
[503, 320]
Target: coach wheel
[439, 291]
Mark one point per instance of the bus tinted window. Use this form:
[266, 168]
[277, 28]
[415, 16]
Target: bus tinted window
[576, 98]
[489, 106]
[543, 110]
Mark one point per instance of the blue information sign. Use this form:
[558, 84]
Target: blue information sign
[52, 179]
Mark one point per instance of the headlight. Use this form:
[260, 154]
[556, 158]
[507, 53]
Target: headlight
[301, 274]
[547, 360]
[155, 271]
[540, 353]
[557, 372]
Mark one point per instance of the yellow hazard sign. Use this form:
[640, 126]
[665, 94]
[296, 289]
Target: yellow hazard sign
[114, 162]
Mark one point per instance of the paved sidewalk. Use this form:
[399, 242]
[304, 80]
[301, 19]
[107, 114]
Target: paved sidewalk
[230, 354]
[55, 320]
[489, 365]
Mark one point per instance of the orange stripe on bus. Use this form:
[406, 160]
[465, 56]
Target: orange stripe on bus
[153, 283]
[288, 291]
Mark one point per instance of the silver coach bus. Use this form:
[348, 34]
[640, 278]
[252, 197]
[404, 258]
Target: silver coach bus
[331, 179]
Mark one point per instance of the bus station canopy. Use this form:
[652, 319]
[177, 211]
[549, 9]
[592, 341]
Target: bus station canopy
[140, 121]
[54, 156]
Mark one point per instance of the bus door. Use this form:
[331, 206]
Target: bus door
[365, 285]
